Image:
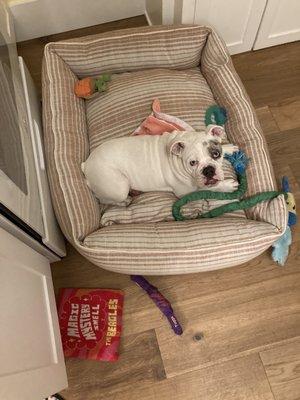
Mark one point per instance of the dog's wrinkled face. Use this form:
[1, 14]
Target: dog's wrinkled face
[201, 154]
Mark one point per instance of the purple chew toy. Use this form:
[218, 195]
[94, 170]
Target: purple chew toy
[161, 302]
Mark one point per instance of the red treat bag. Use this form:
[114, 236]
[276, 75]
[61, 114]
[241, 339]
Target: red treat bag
[90, 322]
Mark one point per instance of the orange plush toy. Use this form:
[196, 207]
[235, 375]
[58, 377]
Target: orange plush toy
[87, 87]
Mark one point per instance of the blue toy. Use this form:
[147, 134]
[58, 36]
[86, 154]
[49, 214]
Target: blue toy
[281, 246]
[238, 160]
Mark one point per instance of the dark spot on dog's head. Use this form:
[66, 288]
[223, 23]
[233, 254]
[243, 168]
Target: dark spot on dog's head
[215, 149]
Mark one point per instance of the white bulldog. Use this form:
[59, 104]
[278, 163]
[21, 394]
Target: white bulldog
[181, 162]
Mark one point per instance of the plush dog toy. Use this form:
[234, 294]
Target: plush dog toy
[87, 87]
[281, 246]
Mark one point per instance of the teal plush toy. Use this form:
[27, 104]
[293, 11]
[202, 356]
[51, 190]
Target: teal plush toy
[215, 115]
[281, 246]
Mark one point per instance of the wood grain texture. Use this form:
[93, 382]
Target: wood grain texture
[266, 120]
[295, 166]
[282, 365]
[240, 379]
[286, 113]
[234, 323]
[271, 74]
[284, 146]
[139, 364]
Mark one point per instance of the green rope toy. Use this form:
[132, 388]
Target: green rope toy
[239, 162]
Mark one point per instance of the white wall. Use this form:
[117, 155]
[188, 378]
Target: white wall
[36, 18]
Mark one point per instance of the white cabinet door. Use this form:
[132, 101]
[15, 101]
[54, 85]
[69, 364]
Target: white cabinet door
[32, 364]
[280, 23]
[237, 21]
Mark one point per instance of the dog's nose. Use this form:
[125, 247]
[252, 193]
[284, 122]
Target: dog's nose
[209, 171]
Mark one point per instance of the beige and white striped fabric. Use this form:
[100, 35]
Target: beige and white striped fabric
[242, 128]
[133, 50]
[129, 98]
[164, 247]
[157, 207]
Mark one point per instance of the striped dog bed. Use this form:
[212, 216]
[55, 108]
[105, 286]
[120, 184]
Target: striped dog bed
[188, 68]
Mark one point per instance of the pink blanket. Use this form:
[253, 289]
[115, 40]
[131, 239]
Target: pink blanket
[158, 123]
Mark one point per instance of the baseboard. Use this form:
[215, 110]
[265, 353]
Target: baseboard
[148, 18]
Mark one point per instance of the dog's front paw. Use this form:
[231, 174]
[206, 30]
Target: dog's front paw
[124, 203]
[230, 185]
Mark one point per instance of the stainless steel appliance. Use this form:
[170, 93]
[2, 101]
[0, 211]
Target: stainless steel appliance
[25, 203]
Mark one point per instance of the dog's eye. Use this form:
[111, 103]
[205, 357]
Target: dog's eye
[193, 163]
[215, 154]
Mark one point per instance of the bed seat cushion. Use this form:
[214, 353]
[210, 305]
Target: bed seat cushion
[128, 100]
[121, 109]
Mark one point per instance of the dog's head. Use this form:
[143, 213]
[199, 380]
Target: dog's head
[201, 154]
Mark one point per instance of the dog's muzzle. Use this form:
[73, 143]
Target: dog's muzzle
[209, 173]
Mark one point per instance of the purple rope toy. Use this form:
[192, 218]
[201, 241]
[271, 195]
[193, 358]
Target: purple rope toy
[162, 303]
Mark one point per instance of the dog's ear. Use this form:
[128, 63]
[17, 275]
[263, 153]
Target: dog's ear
[216, 131]
[176, 147]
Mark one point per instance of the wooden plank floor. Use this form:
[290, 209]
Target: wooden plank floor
[249, 315]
